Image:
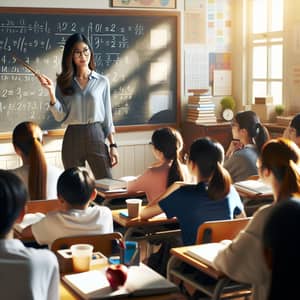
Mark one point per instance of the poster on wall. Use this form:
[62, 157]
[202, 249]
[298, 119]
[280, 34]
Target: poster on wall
[144, 3]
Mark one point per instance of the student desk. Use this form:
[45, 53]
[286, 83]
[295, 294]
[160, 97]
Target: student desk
[147, 229]
[109, 196]
[253, 201]
[66, 293]
[214, 291]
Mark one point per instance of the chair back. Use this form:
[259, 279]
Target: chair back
[42, 206]
[216, 231]
[101, 242]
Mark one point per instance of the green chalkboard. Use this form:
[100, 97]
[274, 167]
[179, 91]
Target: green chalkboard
[137, 50]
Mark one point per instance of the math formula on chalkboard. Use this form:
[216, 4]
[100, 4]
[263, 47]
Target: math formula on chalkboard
[137, 51]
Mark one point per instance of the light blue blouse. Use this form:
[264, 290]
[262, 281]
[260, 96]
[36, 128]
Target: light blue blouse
[89, 105]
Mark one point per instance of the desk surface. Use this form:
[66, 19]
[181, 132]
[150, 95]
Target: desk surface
[135, 222]
[180, 253]
[109, 195]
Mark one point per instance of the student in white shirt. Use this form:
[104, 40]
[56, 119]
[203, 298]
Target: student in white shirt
[26, 273]
[75, 190]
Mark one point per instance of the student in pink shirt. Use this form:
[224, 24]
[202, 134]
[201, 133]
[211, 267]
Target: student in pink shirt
[167, 145]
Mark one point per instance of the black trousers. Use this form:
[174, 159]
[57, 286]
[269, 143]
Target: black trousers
[83, 143]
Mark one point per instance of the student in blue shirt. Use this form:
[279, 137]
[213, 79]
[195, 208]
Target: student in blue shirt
[82, 102]
[213, 198]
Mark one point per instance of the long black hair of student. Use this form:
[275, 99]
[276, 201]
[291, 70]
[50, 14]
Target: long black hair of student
[169, 141]
[64, 79]
[13, 197]
[208, 155]
[250, 121]
[281, 244]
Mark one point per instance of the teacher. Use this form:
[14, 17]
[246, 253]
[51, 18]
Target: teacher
[81, 100]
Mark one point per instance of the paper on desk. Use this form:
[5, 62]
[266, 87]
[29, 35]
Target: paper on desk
[28, 220]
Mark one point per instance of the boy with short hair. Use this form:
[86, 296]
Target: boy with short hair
[26, 273]
[75, 190]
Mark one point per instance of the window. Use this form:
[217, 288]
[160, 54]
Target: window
[266, 49]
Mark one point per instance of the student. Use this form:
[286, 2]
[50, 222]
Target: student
[26, 273]
[281, 245]
[242, 260]
[40, 177]
[75, 190]
[167, 145]
[82, 102]
[213, 198]
[292, 132]
[249, 135]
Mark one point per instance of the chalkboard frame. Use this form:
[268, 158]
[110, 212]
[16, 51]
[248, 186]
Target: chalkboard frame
[113, 12]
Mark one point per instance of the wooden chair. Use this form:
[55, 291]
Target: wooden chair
[42, 206]
[103, 243]
[216, 231]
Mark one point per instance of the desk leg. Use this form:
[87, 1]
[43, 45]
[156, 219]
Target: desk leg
[172, 263]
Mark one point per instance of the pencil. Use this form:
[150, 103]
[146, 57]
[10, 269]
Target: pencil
[27, 66]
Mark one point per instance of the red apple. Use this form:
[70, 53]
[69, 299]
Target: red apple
[116, 275]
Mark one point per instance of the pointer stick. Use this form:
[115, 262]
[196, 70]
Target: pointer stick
[27, 66]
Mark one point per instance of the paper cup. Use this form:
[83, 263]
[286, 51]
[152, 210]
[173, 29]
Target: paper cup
[134, 207]
[81, 257]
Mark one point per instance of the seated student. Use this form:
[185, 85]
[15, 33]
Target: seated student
[167, 146]
[292, 132]
[242, 260]
[249, 135]
[75, 190]
[40, 177]
[281, 246]
[26, 273]
[212, 198]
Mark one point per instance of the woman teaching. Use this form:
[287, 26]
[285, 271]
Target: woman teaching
[81, 100]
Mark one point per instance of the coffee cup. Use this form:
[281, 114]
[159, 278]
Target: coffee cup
[134, 207]
[81, 257]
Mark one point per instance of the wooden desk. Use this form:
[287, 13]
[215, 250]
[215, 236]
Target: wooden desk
[147, 228]
[108, 196]
[214, 291]
[66, 293]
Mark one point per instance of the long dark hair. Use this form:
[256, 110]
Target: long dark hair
[169, 141]
[64, 79]
[208, 155]
[27, 136]
[282, 157]
[250, 121]
[295, 123]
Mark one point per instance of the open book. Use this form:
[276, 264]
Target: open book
[141, 281]
[255, 187]
[206, 253]
[28, 220]
[111, 184]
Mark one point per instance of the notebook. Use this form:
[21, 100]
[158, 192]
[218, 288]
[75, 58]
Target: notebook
[141, 281]
[111, 184]
[28, 220]
[206, 253]
[255, 187]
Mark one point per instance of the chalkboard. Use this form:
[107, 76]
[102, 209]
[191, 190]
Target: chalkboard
[137, 50]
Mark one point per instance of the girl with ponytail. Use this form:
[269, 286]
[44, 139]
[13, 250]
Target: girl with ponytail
[40, 179]
[167, 145]
[248, 137]
[279, 166]
[212, 198]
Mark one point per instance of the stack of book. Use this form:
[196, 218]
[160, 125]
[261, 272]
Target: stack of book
[200, 109]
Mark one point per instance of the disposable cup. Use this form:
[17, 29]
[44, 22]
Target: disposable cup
[134, 207]
[81, 257]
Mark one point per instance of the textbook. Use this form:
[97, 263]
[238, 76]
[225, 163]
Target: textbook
[28, 220]
[141, 281]
[110, 184]
[255, 187]
[206, 253]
